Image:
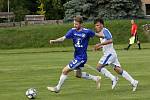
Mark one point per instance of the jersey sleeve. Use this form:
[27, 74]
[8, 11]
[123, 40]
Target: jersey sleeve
[135, 27]
[107, 34]
[69, 34]
[91, 33]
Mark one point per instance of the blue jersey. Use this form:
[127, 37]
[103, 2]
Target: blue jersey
[80, 41]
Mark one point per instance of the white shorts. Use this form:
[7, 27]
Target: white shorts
[109, 59]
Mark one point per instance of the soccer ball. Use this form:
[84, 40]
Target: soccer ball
[31, 93]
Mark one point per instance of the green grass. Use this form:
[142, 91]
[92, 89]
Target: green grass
[21, 69]
[38, 36]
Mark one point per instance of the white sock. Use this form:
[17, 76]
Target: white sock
[88, 76]
[61, 81]
[127, 76]
[105, 72]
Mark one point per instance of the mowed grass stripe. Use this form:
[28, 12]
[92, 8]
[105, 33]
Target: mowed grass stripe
[20, 71]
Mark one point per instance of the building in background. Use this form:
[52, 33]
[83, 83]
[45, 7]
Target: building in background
[146, 8]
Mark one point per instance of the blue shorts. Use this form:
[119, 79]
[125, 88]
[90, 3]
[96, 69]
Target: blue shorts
[77, 63]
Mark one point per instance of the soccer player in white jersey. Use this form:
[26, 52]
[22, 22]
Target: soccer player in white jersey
[80, 37]
[110, 56]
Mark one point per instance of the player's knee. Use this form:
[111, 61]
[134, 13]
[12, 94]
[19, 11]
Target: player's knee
[65, 71]
[118, 69]
[99, 67]
[138, 42]
[78, 74]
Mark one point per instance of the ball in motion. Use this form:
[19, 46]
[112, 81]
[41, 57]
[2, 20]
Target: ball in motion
[31, 93]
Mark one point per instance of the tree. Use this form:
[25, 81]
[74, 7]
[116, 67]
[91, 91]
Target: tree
[19, 8]
[107, 9]
[32, 6]
[53, 9]
[1, 4]
[41, 8]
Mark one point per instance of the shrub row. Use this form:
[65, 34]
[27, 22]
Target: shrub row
[39, 35]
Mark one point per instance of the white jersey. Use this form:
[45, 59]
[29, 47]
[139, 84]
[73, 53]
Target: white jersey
[110, 56]
[107, 49]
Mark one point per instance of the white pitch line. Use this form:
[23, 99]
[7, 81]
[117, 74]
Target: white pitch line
[90, 67]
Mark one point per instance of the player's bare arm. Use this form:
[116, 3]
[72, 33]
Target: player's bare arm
[107, 42]
[99, 35]
[100, 45]
[61, 39]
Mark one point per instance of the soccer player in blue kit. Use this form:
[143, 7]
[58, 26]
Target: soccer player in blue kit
[80, 37]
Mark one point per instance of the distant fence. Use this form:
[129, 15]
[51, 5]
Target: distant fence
[28, 20]
[34, 19]
[10, 24]
[7, 15]
[24, 23]
[40, 19]
[7, 18]
[43, 22]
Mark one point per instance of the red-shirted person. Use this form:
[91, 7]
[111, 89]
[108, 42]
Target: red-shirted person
[134, 37]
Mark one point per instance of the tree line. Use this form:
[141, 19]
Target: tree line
[67, 9]
[53, 9]
[107, 9]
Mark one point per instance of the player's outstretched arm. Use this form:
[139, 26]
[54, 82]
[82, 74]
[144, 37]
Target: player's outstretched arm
[100, 45]
[57, 40]
[97, 46]
[107, 42]
[99, 35]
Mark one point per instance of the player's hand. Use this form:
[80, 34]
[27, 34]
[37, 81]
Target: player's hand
[97, 47]
[51, 41]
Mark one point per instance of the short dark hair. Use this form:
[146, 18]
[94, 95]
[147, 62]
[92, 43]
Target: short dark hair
[78, 19]
[99, 20]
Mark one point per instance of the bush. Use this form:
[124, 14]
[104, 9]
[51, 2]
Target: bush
[39, 35]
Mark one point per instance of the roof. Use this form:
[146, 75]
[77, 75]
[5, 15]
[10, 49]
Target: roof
[146, 1]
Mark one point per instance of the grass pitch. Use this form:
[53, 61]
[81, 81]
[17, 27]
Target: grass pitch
[21, 69]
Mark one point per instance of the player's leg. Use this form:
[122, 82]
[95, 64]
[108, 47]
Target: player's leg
[124, 73]
[105, 72]
[138, 42]
[105, 60]
[71, 66]
[63, 77]
[131, 41]
[78, 65]
[129, 45]
[85, 75]
[127, 76]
